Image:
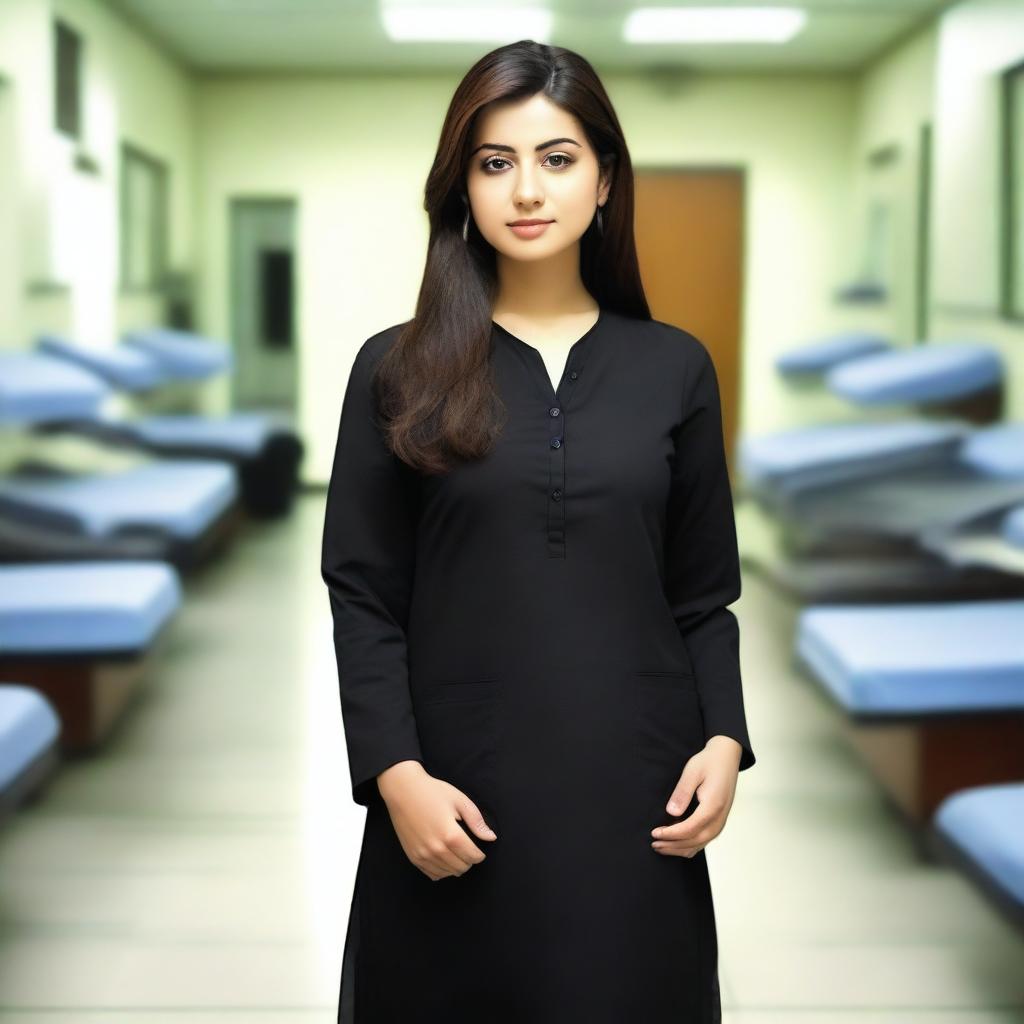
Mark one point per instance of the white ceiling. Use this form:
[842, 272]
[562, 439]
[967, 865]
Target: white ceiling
[238, 36]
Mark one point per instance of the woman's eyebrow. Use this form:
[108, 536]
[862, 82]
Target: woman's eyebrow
[510, 149]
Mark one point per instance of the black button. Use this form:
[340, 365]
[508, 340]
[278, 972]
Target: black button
[556, 442]
[556, 494]
[573, 375]
[554, 410]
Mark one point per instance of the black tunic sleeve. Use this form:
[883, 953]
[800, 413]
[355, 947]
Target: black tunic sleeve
[703, 569]
[367, 563]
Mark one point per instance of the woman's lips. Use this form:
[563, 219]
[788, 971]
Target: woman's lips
[530, 230]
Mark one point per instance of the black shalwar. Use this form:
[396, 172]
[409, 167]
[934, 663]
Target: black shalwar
[546, 629]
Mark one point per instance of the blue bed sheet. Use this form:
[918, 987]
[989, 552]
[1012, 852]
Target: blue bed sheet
[1012, 527]
[986, 823]
[818, 356]
[122, 366]
[242, 433]
[926, 373]
[996, 451]
[804, 457]
[40, 388]
[29, 726]
[956, 656]
[181, 497]
[182, 354]
[91, 607]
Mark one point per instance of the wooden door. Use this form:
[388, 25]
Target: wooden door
[689, 233]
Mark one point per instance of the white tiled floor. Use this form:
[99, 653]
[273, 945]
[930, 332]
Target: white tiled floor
[198, 870]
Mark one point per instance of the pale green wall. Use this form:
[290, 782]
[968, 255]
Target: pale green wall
[24, 36]
[68, 231]
[977, 42]
[949, 73]
[355, 153]
[894, 100]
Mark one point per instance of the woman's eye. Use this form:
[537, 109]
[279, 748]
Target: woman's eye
[489, 164]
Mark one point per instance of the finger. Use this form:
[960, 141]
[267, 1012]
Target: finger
[473, 818]
[464, 848]
[687, 828]
[437, 857]
[678, 849]
[682, 794]
[460, 853]
[451, 861]
[681, 844]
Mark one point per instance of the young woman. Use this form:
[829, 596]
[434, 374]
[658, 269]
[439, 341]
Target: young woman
[529, 546]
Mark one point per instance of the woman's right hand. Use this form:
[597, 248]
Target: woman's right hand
[425, 812]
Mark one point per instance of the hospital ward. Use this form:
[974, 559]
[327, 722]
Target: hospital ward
[213, 213]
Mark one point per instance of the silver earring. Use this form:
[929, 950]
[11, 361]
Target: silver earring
[465, 228]
[600, 224]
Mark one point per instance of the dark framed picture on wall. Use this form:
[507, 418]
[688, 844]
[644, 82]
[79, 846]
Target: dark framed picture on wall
[144, 194]
[1012, 140]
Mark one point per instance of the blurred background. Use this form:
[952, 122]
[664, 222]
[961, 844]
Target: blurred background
[207, 206]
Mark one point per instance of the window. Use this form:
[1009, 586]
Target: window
[143, 220]
[276, 297]
[67, 63]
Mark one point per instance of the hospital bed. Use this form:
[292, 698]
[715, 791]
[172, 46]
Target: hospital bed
[929, 534]
[29, 744]
[813, 359]
[780, 467]
[83, 634]
[182, 355]
[847, 504]
[980, 831]
[263, 445]
[179, 510]
[993, 541]
[982, 475]
[931, 695]
[961, 378]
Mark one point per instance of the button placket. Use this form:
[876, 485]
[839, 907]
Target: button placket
[557, 414]
[558, 399]
[556, 481]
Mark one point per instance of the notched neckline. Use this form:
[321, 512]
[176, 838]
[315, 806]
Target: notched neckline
[582, 337]
[552, 393]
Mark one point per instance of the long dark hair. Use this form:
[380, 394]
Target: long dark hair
[434, 384]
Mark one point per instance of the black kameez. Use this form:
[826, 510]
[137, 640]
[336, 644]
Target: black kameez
[547, 630]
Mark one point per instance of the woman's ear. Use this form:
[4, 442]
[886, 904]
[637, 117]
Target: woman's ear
[605, 178]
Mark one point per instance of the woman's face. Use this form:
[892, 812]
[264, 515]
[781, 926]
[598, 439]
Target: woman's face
[530, 160]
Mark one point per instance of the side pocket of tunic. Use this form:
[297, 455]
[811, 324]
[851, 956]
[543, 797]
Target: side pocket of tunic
[459, 723]
[668, 730]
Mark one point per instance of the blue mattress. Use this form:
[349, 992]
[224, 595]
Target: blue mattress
[39, 388]
[181, 498]
[804, 457]
[878, 659]
[986, 823]
[123, 366]
[1012, 527]
[241, 433]
[181, 354]
[29, 727]
[821, 355]
[926, 373]
[996, 451]
[86, 607]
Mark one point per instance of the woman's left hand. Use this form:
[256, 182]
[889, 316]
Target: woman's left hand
[711, 774]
